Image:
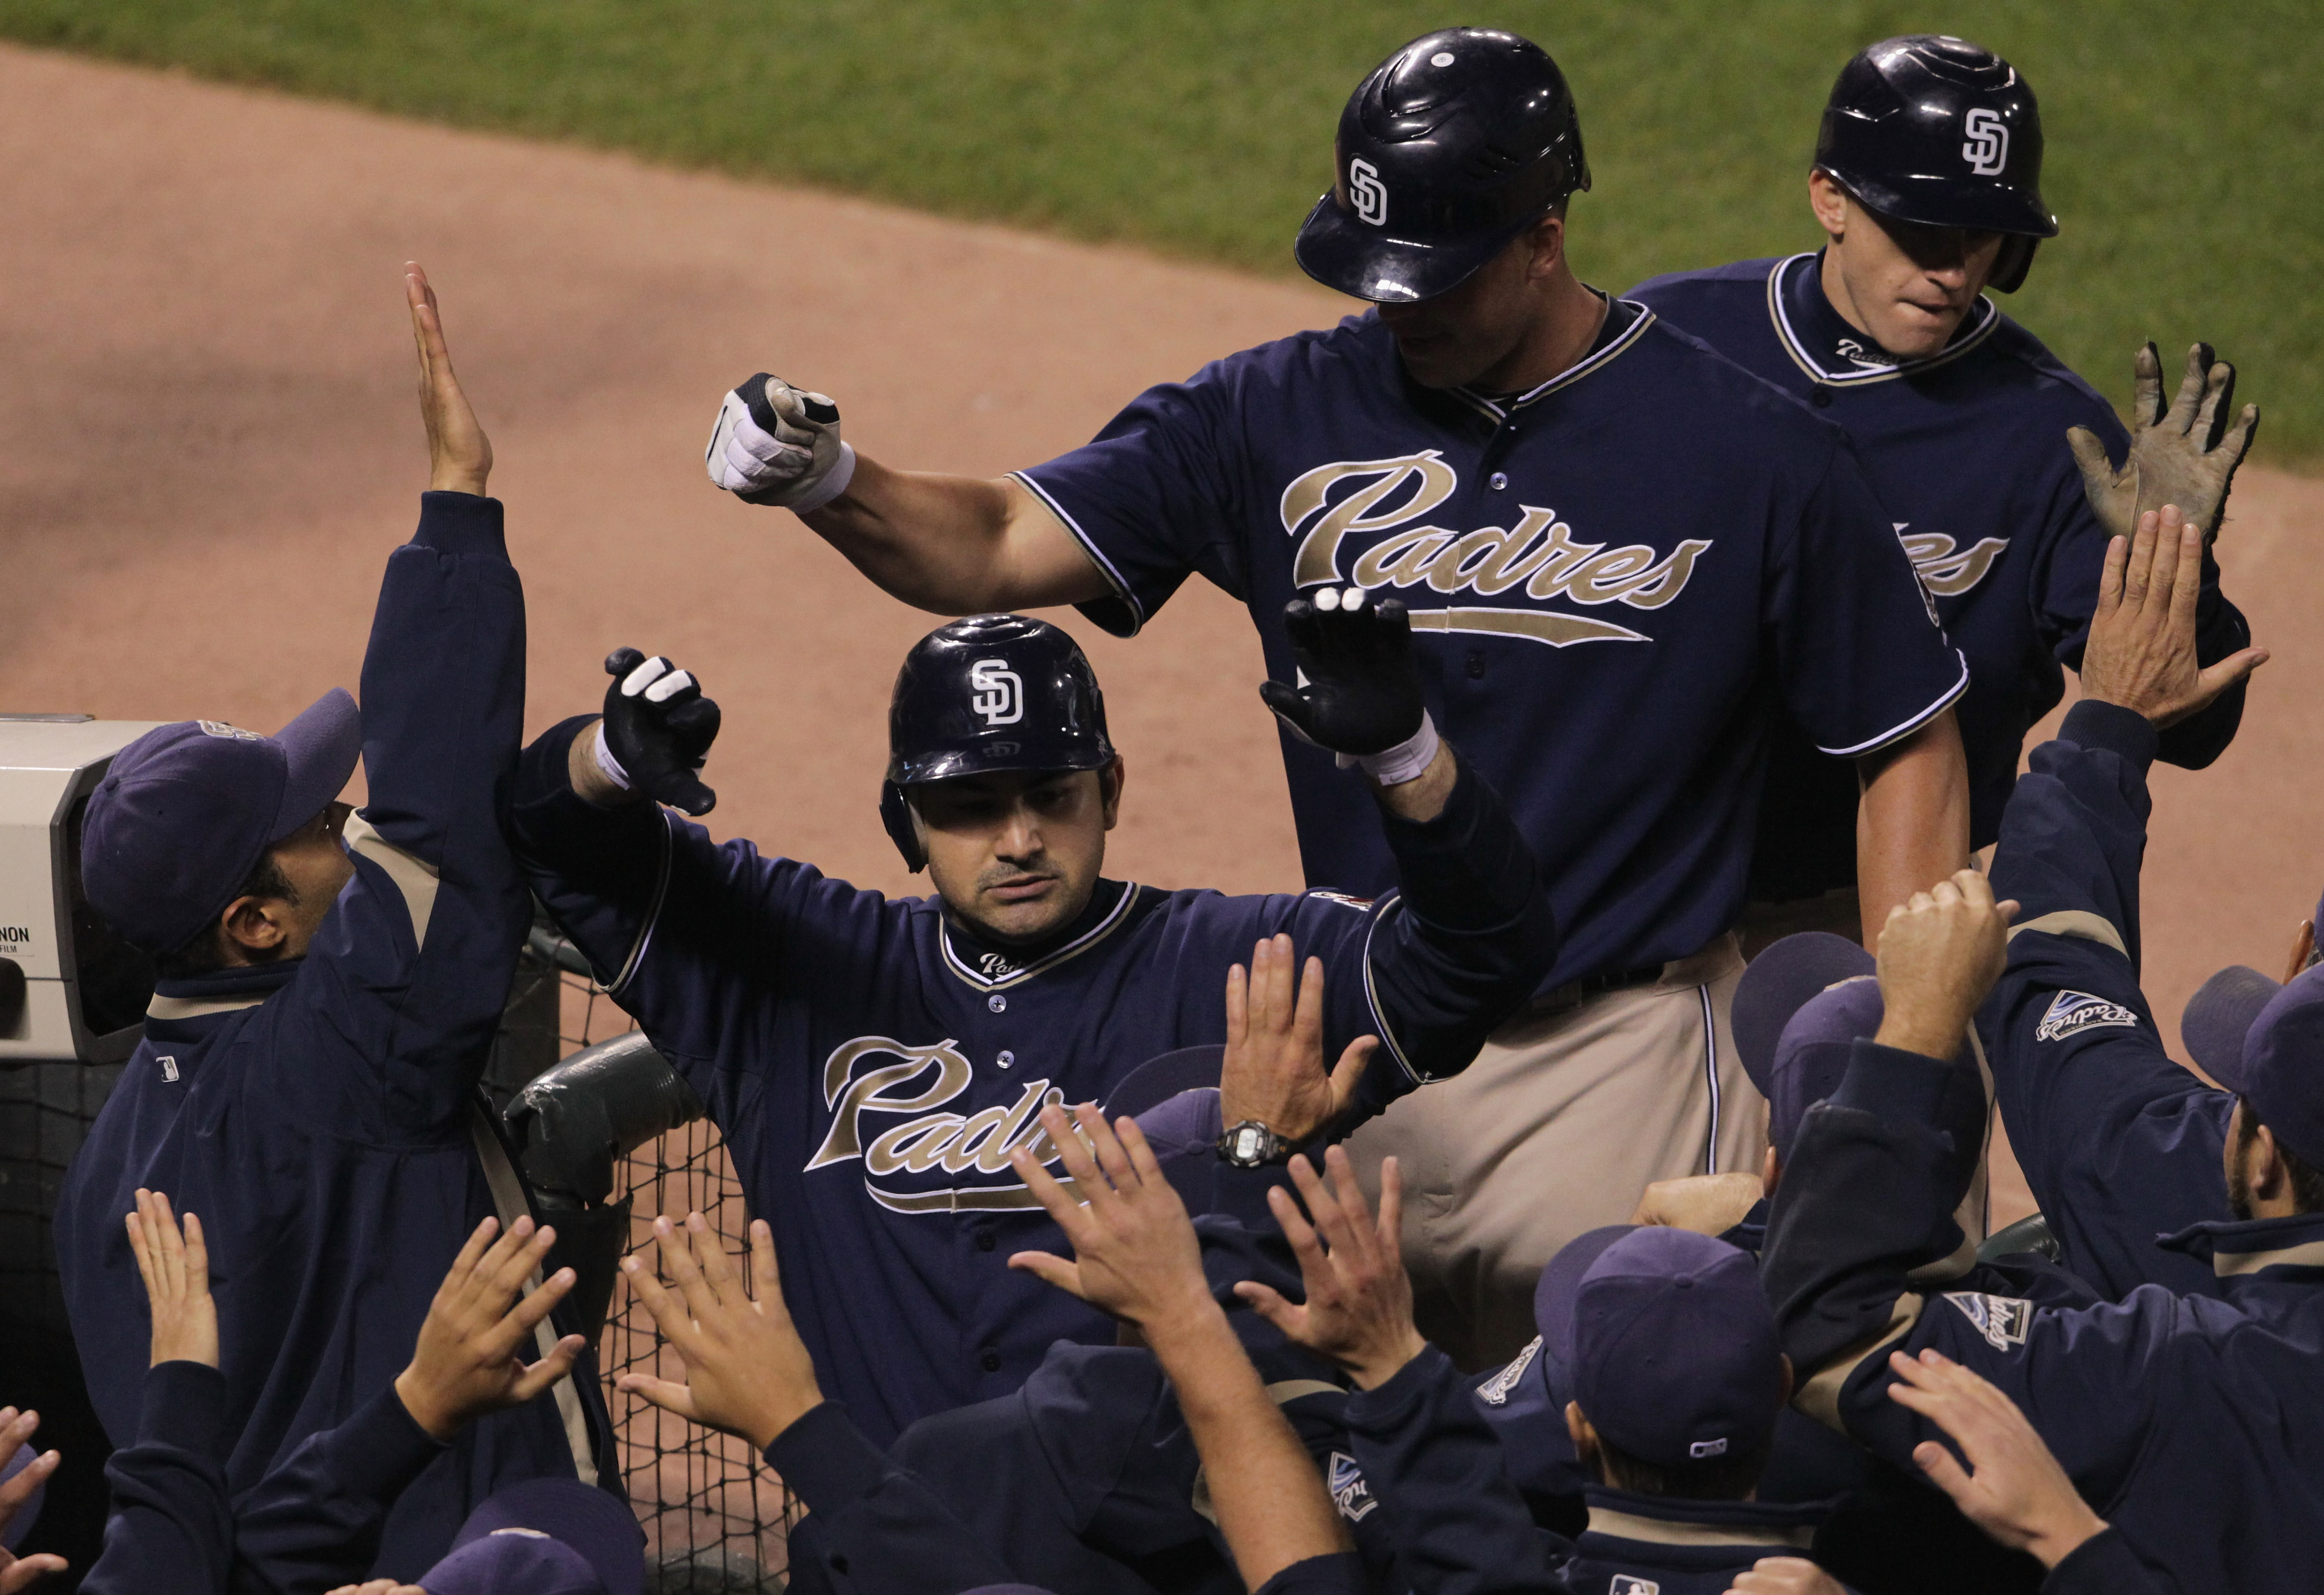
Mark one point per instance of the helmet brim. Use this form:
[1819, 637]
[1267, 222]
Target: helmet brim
[1362, 263]
[1942, 202]
[955, 763]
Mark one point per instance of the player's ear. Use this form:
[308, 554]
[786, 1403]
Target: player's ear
[1109, 787]
[1829, 200]
[1547, 237]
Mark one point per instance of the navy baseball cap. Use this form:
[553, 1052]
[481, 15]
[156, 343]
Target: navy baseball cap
[2279, 1069]
[1798, 1007]
[546, 1536]
[1676, 1358]
[186, 811]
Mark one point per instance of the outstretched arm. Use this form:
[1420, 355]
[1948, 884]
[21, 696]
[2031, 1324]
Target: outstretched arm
[1911, 823]
[1136, 1257]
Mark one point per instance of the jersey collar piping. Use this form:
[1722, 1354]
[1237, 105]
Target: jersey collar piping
[1985, 319]
[1131, 893]
[1597, 359]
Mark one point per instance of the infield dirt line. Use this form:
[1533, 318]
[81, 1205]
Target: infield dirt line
[212, 445]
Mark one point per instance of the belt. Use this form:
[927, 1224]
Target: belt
[1574, 993]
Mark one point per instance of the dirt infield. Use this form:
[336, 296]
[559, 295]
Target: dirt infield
[212, 444]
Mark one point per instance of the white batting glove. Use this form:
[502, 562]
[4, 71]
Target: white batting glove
[775, 444]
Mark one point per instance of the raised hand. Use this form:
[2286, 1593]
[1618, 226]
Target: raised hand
[466, 1362]
[1361, 689]
[747, 1371]
[1359, 1309]
[659, 728]
[2185, 455]
[16, 1429]
[1940, 953]
[1274, 1068]
[774, 444]
[1134, 1255]
[2141, 652]
[2013, 1487]
[459, 455]
[1786, 1575]
[176, 1268]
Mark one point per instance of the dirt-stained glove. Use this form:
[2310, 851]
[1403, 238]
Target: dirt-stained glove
[657, 730]
[2185, 455]
[775, 444]
[1358, 692]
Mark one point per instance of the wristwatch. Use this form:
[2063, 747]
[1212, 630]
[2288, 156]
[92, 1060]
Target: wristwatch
[1252, 1145]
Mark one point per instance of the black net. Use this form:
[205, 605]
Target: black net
[716, 1519]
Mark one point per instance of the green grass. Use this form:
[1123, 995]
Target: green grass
[2186, 152]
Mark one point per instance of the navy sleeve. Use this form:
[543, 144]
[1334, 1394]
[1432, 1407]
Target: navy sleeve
[1155, 497]
[1460, 1525]
[882, 1531]
[1468, 939]
[690, 936]
[2119, 1144]
[314, 1522]
[2066, 595]
[171, 1532]
[390, 1020]
[2103, 1564]
[1856, 644]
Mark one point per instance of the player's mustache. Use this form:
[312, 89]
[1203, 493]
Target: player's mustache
[1013, 875]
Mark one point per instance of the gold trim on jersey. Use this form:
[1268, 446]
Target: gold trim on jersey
[1081, 943]
[1796, 347]
[1596, 360]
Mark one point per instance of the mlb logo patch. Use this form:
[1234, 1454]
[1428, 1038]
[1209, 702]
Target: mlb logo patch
[2003, 1321]
[1350, 1493]
[1626, 1583]
[2073, 1012]
[1495, 1391]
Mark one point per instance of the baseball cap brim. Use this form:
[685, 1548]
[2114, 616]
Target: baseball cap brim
[1779, 983]
[2219, 1015]
[321, 747]
[1158, 1078]
[1340, 253]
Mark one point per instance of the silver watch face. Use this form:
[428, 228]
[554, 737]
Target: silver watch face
[1250, 1142]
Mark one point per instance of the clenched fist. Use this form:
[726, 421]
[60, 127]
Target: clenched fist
[1940, 954]
[658, 730]
[774, 444]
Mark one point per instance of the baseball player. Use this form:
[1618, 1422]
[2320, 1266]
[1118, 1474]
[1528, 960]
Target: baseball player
[873, 1063]
[329, 988]
[1927, 185]
[1622, 554]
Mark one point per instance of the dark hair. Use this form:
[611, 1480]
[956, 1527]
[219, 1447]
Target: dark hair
[1730, 1478]
[2306, 1182]
[205, 953]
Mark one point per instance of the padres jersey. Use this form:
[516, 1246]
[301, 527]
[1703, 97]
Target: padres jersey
[1967, 450]
[1614, 577]
[871, 1066]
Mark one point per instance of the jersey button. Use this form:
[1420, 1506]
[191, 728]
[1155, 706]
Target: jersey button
[990, 1362]
[1005, 1059]
[997, 1003]
[1820, 397]
[1476, 664]
[984, 1240]
[1501, 481]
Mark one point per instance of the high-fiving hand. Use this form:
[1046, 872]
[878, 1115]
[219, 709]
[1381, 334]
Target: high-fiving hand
[1359, 1309]
[459, 455]
[16, 1429]
[176, 1268]
[2013, 1487]
[659, 728]
[1274, 1068]
[775, 444]
[1134, 1255]
[1359, 690]
[1940, 953]
[2141, 652]
[747, 1371]
[2185, 455]
[466, 1363]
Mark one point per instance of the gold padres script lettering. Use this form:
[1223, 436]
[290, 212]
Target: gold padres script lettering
[1382, 504]
[929, 1139]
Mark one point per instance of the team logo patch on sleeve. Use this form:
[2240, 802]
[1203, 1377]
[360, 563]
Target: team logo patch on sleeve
[1350, 1493]
[1630, 1583]
[2073, 1012]
[1495, 1391]
[2003, 1321]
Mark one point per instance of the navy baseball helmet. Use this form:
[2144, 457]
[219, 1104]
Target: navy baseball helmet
[991, 693]
[1449, 149]
[1944, 133]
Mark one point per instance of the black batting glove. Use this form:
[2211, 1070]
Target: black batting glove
[1362, 691]
[658, 727]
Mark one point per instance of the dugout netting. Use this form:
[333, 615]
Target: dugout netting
[716, 1521]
